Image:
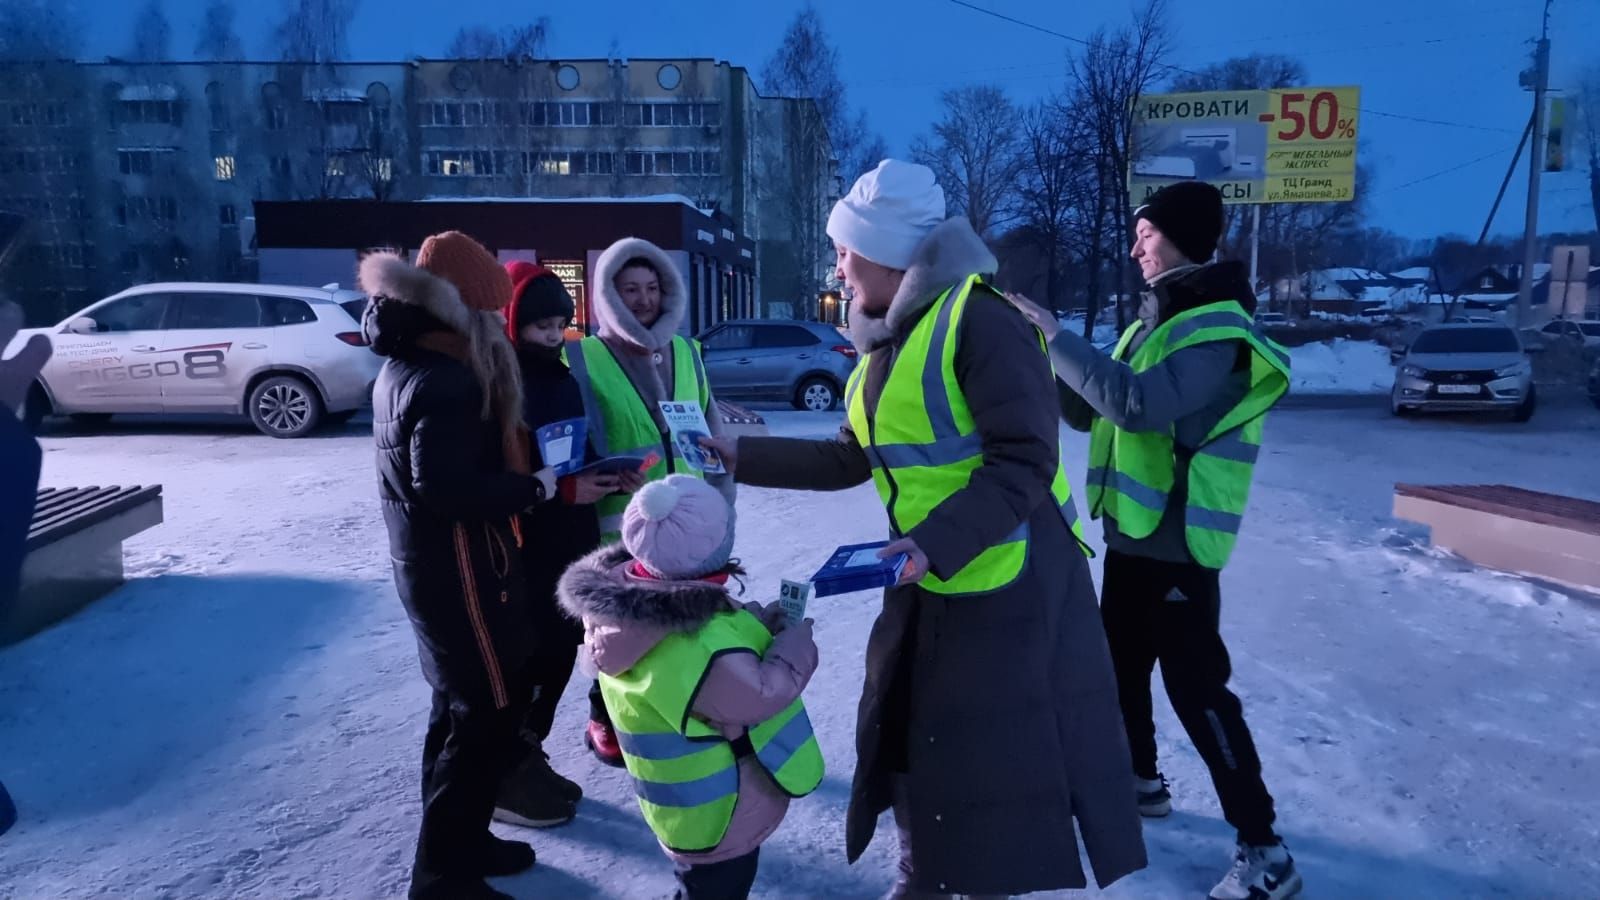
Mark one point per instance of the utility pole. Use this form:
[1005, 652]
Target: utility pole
[1530, 234]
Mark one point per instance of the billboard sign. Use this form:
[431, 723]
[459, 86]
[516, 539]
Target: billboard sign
[1287, 145]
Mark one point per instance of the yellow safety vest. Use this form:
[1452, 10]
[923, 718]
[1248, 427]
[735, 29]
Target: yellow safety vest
[924, 445]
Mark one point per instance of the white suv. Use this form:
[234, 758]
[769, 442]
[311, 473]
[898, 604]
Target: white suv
[288, 357]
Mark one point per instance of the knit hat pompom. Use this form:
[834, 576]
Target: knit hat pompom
[679, 528]
[657, 500]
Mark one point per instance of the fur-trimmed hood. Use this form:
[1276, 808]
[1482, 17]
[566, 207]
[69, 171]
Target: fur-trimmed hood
[616, 321]
[624, 617]
[950, 252]
[392, 324]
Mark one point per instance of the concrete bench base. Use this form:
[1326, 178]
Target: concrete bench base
[739, 422]
[1510, 529]
[74, 561]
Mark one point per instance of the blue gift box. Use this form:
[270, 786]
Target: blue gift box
[856, 567]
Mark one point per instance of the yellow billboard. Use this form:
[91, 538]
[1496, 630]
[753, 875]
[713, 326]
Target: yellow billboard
[1286, 145]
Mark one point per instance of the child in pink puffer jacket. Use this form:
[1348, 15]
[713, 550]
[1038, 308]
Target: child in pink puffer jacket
[704, 692]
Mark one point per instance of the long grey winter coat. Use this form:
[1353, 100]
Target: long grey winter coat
[999, 711]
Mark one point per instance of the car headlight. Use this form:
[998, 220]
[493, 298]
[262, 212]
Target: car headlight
[1520, 368]
[1414, 372]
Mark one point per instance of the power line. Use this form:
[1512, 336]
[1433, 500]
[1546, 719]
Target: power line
[1443, 172]
[1172, 68]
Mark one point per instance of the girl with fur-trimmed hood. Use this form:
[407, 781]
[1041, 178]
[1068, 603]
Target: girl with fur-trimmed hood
[453, 475]
[636, 361]
[705, 692]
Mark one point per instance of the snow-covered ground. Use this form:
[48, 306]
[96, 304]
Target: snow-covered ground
[1341, 367]
[244, 719]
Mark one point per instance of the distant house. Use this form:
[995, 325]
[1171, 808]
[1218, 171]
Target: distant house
[1358, 291]
[1496, 287]
[1416, 275]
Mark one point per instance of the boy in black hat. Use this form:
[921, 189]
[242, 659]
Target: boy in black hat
[1175, 417]
[554, 535]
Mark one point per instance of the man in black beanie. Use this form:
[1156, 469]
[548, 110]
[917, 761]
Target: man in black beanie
[1175, 416]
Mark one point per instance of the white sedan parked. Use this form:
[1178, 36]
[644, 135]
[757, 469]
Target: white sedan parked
[288, 357]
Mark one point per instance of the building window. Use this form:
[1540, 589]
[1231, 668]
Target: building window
[224, 168]
[148, 112]
[138, 162]
[672, 115]
[383, 168]
[337, 114]
[279, 166]
[228, 214]
[464, 163]
[672, 162]
[335, 166]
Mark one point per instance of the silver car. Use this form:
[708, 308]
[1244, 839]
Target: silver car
[1465, 368]
[290, 358]
[804, 363]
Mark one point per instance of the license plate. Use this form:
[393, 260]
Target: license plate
[1459, 388]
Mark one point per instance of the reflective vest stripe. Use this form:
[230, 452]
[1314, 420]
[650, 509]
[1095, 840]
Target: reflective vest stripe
[594, 421]
[788, 740]
[686, 794]
[1126, 485]
[661, 745]
[941, 452]
[934, 394]
[1232, 446]
[1215, 520]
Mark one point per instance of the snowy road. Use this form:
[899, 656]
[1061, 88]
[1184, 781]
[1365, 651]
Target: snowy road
[244, 718]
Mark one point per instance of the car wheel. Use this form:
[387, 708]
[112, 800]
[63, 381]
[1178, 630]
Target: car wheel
[1525, 411]
[285, 407]
[1404, 412]
[816, 395]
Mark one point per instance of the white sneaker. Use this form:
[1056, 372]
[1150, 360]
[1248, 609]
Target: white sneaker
[1154, 799]
[1259, 873]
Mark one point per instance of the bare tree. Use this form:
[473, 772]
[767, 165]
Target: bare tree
[1588, 102]
[152, 34]
[218, 40]
[976, 150]
[515, 42]
[38, 30]
[806, 64]
[1055, 187]
[1112, 72]
[809, 143]
[1255, 72]
[314, 31]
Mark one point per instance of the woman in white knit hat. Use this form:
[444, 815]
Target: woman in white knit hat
[989, 718]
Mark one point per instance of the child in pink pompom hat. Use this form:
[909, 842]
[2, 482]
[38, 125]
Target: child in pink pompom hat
[704, 692]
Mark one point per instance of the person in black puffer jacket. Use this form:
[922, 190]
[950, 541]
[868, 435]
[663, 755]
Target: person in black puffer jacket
[453, 476]
[556, 535]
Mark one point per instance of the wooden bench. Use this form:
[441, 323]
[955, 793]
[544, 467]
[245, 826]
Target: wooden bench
[1509, 528]
[74, 552]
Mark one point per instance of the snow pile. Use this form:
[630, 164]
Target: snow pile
[1341, 367]
[245, 717]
